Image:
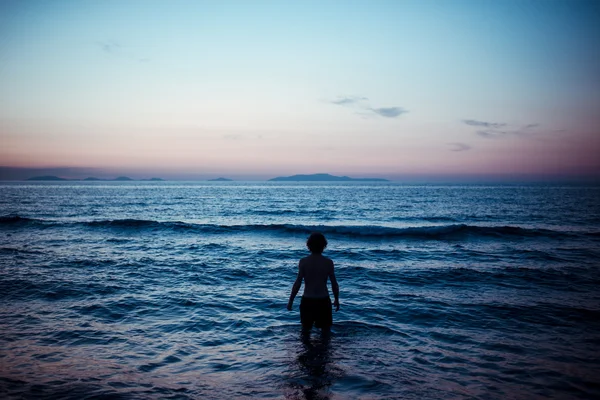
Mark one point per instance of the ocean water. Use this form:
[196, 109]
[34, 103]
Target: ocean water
[179, 290]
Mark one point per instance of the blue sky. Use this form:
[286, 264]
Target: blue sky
[255, 89]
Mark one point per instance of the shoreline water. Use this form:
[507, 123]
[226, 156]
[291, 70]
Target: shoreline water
[179, 291]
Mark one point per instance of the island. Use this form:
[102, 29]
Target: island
[90, 179]
[220, 180]
[47, 178]
[324, 178]
[121, 178]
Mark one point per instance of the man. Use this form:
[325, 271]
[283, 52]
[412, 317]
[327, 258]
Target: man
[315, 306]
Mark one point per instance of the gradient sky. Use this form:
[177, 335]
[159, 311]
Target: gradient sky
[255, 89]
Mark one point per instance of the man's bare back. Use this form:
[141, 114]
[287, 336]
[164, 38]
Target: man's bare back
[315, 269]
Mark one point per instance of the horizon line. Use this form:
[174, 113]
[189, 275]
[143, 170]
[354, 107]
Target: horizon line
[10, 173]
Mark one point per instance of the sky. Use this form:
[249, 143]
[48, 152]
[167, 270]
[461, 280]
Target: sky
[257, 89]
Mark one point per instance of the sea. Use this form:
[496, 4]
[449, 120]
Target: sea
[178, 290]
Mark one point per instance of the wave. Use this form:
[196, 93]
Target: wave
[451, 231]
[15, 219]
[448, 232]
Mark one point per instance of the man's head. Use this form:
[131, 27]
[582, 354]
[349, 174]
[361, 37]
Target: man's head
[316, 243]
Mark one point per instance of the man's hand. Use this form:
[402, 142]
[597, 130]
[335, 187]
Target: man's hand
[289, 306]
[336, 304]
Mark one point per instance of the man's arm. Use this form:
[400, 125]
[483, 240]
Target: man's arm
[335, 288]
[296, 286]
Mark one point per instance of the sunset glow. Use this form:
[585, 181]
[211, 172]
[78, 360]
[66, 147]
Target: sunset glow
[252, 90]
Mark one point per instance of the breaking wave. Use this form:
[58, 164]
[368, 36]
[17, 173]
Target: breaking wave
[441, 232]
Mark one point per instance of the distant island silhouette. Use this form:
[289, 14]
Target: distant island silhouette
[47, 178]
[324, 178]
[220, 180]
[91, 178]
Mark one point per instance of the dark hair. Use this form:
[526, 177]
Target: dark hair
[316, 243]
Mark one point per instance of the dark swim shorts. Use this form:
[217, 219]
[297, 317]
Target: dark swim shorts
[317, 311]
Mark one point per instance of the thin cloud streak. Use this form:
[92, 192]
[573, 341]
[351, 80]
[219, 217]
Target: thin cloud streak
[474, 122]
[109, 47]
[348, 100]
[457, 146]
[491, 134]
[389, 112]
[362, 103]
[116, 49]
[492, 129]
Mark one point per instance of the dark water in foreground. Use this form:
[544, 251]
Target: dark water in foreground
[176, 290]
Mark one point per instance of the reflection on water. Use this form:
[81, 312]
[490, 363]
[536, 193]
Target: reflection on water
[314, 367]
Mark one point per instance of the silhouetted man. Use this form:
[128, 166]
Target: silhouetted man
[315, 306]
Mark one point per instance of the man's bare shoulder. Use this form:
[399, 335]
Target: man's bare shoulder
[316, 259]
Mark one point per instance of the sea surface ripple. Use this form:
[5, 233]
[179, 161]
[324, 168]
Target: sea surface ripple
[178, 290]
